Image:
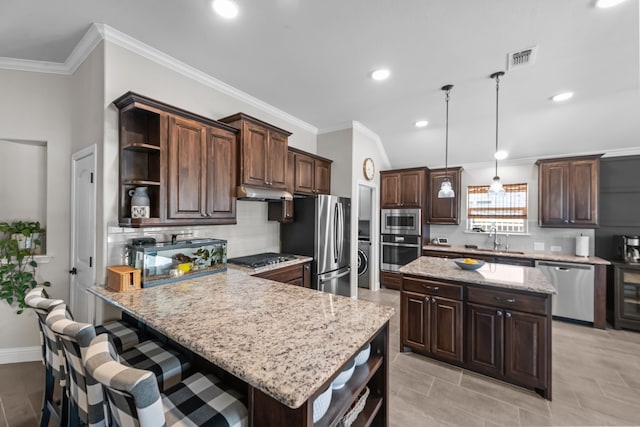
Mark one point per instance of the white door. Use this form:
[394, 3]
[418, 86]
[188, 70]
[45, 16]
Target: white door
[83, 233]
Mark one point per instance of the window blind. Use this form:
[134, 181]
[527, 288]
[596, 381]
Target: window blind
[511, 205]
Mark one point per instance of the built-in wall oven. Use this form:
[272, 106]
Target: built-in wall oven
[401, 237]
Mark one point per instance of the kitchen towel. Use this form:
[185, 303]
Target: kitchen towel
[582, 245]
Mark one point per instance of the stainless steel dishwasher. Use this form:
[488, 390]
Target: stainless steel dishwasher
[574, 285]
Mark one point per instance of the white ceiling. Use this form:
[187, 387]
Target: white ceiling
[311, 59]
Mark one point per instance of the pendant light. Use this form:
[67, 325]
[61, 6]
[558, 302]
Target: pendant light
[446, 189]
[496, 187]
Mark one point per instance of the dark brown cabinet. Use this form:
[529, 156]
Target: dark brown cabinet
[568, 192]
[187, 162]
[508, 336]
[502, 333]
[299, 275]
[432, 321]
[403, 188]
[263, 152]
[391, 280]
[626, 293]
[312, 174]
[444, 211]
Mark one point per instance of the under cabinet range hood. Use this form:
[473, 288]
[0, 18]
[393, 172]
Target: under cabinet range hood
[247, 192]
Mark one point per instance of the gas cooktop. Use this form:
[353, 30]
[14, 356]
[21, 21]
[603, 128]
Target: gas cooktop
[261, 260]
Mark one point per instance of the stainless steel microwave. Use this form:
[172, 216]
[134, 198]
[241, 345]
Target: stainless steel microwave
[401, 221]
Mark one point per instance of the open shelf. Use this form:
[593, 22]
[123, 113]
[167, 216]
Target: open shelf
[342, 399]
[140, 182]
[140, 147]
[369, 412]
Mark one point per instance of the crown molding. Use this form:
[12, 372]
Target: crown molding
[33, 66]
[98, 32]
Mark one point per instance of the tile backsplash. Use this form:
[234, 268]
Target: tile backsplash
[539, 239]
[252, 234]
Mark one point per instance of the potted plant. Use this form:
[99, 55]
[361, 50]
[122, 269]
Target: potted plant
[18, 241]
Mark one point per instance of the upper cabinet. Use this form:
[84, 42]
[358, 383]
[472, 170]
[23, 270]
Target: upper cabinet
[263, 152]
[568, 192]
[187, 163]
[403, 188]
[312, 174]
[444, 211]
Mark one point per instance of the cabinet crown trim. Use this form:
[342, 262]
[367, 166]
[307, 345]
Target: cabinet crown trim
[132, 98]
[243, 116]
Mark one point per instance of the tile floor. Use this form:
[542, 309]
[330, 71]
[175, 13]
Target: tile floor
[596, 382]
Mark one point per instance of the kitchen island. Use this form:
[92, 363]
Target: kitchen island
[285, 343]
[495, 320]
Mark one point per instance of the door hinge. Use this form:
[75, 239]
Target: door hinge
[91, 177]
[90, 261]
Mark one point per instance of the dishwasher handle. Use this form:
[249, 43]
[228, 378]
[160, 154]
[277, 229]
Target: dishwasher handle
[562, 266]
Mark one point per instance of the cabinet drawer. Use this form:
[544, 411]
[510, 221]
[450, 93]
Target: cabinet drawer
[507, 300]
[391, 280]
[291, 274]
[430, 287]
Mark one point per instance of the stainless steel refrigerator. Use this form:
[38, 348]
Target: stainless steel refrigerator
[321, 229]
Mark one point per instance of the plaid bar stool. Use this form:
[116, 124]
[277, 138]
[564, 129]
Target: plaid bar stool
[86, 399]
[52, 356]
[134, 400]
[123, 336]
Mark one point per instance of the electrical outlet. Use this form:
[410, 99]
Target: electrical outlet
[556, 248]
[538, 246]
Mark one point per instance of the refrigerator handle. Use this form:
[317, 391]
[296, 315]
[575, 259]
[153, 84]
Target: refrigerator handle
[336, 219]
[341, 230]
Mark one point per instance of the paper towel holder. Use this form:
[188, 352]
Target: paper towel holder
[582, 245]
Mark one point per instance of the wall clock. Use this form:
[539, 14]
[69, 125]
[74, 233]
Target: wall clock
[368, 168]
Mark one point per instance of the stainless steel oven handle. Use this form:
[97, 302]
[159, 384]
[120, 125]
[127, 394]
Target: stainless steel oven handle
[400, 244]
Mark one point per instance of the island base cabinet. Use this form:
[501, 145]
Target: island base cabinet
[508, 345]
[432, 325]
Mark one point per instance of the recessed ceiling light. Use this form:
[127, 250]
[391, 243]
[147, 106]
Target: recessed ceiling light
[421, 123]
[225, 8]
[562, 96]
[604, 4]
[500, 155]
[381, 74]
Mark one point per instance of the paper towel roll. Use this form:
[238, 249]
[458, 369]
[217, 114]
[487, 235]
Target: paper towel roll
[582, 245]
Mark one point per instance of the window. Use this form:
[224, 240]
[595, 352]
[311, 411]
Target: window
[508, 213]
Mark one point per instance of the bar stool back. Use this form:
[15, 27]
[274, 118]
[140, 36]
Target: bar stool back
[52, 355]
[133, 397]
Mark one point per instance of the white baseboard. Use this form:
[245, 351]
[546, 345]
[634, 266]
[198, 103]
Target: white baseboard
[20, 354]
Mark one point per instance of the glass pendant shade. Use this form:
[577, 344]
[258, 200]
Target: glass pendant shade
[446, 190]
[496, 187]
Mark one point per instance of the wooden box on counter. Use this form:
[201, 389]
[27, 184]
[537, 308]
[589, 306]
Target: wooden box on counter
[123, 278]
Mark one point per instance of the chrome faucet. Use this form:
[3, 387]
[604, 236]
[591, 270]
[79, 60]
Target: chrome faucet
[496, 241]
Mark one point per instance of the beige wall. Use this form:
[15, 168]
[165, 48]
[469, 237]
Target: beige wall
[37, 107]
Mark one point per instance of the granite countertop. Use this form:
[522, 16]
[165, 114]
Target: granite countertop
[249, 270]
[284, 340]
[516, 277]
[546, 256]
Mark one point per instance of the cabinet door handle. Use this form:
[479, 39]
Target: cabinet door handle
[566, 221]
[573, 221]
[508, 315]
[435, 288]
[507, 300]
[427, 299]
[499, 313]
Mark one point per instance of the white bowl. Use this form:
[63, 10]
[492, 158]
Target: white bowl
[344, 376]
[321, 404]
[363, 356]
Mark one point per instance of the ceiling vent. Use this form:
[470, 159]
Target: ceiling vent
[521, 58]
